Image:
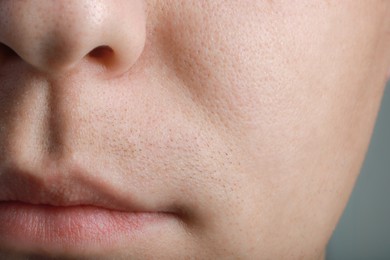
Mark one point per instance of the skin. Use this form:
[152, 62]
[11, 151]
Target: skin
[250, 118]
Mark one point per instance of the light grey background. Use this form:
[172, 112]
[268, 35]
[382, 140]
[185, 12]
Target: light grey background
[364, 230]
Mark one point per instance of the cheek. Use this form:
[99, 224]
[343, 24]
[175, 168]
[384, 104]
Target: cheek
[266, 77]
[290, 97]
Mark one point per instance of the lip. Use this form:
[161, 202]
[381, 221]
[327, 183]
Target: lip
[72, 186]
[74, 212]
[74, 229]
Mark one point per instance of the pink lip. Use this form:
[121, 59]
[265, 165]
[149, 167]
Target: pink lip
[42, 228]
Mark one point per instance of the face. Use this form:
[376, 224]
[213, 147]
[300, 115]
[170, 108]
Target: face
[184, 129]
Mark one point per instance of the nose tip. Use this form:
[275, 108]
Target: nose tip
[55, 36]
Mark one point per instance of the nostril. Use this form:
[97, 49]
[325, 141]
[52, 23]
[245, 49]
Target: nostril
[103, 55]
[6, 52]
[101, 52]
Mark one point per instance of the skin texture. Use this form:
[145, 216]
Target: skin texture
[250, 118]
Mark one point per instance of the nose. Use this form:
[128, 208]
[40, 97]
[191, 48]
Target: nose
[56, 36]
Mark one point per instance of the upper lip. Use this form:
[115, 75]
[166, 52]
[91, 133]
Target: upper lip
[68, 187]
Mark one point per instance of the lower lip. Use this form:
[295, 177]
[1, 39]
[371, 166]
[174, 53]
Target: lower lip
[41, 228]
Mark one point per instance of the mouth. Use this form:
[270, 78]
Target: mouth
[35, 228]
[76, 216]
